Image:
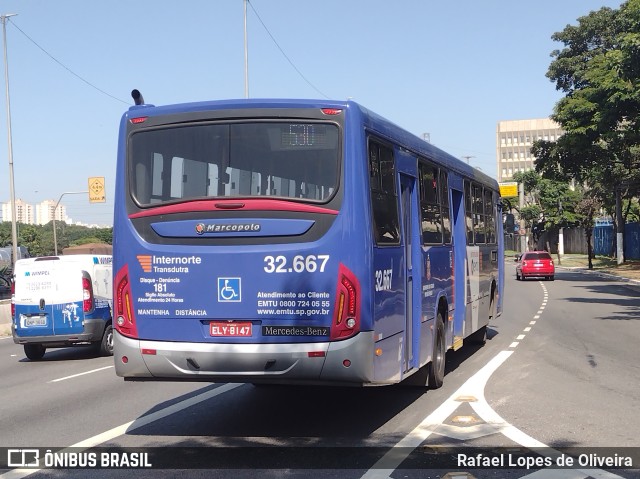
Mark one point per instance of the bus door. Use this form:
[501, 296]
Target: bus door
[409, 214]
[459, 258]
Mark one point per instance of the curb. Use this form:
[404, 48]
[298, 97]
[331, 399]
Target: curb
[623, 279]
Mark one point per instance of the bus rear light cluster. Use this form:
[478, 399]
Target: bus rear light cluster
[125, 320]
[346, 317]
[13, 299]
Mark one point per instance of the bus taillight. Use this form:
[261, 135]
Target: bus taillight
[125, 320]
[346, 317]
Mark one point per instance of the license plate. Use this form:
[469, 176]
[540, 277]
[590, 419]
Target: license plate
[226, 329]
[35, 321]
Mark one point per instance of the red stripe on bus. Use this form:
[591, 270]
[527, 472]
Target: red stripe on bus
[226, 205]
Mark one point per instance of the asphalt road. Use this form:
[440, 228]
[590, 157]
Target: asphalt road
[560, 369]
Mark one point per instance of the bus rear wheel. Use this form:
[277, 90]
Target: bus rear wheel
[436, 369]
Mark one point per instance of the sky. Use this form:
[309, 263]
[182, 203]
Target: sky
[450, 69]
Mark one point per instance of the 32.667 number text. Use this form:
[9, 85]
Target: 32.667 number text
[299, 264]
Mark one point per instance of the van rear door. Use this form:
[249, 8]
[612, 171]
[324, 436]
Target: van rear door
[48, 297]
[67, 310]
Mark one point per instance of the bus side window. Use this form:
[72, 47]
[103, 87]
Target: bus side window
[478, 212]
[384, 203]
[430, 199]
[490, 216]
[444, 205]
[468, 209]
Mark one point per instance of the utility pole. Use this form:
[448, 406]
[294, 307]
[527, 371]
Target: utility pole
[522, 230]
[468, 157]
[619, 227]
[12, 192]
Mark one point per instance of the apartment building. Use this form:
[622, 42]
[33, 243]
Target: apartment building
[24, 212]
[45, 212]
[41, 214]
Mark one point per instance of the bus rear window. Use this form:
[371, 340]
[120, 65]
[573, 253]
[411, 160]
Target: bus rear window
[275, 159]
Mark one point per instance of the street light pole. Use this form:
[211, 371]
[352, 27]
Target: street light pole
[55, 238]
[12, 193]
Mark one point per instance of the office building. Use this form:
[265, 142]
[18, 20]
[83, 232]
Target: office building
[514, 139]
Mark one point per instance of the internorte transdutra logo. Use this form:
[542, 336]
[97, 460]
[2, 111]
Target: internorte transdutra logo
[147, 261]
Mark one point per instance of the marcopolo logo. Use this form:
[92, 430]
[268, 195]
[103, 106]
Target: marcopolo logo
[202, 228]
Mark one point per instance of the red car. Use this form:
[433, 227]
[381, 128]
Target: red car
[535, 264]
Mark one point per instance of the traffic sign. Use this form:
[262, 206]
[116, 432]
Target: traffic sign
[509, 189]
[96, 190]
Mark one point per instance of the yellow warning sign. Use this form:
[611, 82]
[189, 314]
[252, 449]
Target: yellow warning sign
[509, 189]
[96, 190]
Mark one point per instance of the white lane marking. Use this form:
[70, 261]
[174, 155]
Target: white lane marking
[474, 387]
[79, 374]
[520, 337]
[527, 329]
[398, 453]
[532, 322]
[131, 426]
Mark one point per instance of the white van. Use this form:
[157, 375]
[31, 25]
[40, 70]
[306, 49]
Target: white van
[63, 301]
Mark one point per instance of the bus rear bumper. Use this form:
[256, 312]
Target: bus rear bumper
[347, 362]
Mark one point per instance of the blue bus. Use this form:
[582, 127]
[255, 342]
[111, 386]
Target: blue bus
[296, 242]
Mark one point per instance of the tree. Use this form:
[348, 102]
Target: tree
[549, 204]
[599, 72]
[39, 238]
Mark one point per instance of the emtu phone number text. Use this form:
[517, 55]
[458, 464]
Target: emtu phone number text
[299, 264]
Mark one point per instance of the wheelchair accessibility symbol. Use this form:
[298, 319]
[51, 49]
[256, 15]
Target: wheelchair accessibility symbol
[229, 290]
